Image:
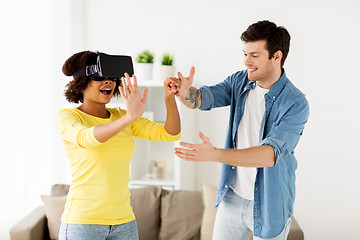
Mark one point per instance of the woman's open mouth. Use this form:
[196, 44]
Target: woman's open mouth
[106, 91]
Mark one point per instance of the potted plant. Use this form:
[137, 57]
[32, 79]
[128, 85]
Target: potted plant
[167, 68]
[144, 66]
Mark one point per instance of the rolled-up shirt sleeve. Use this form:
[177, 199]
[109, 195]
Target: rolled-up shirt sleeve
[218, 95]
[207, 98]
[74, 131]
[286, 132]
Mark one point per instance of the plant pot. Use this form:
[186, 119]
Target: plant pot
[144, 71]
[166, 71]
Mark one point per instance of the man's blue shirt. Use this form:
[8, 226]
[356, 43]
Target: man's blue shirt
[286, 112]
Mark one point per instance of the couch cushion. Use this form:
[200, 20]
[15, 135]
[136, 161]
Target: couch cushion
[209, 201]
[59, 190]
[145, 203]
[54, 207]
[32, 226]
[146, 206]
[181, 214]
[296, 232]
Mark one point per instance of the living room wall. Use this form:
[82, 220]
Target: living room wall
[323, 61]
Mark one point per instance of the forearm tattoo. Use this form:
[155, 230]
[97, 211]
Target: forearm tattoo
[193, 97]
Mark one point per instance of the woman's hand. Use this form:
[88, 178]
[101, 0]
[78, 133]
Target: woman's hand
[189, 96]
[180, 85]
[170, 87]
[135, 104]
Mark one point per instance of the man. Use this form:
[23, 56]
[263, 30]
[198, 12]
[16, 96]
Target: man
[268, 113]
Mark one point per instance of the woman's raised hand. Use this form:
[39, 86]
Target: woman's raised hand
[135, 104]
[179, 86]
[171, 86]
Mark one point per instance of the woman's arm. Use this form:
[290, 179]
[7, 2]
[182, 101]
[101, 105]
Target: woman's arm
[135, 106]
[172, 122]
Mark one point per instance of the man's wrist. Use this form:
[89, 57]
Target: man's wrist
[217, 155]
[193, 97]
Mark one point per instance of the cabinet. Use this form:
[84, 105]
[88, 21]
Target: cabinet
[177, 173]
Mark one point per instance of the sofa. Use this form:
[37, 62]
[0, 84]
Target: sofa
[160, 214]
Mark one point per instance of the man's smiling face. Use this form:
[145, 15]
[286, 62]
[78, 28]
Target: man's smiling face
[256, 59]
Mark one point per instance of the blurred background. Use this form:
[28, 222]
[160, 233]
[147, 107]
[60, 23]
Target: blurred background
[36, 37]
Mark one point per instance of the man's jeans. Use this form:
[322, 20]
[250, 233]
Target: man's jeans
[234, 219]
[126, 231]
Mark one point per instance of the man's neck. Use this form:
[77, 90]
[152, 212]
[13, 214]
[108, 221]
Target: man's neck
[271, 80]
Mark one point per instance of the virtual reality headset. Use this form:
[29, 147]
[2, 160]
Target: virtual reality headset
[108, 66]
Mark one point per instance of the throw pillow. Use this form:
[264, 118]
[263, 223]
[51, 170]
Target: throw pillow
[59, 190]
[181, 213]
[54, 207]
[209, 201]
[146, 205]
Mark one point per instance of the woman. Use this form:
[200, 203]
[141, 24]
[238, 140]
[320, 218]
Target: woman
[99, 144]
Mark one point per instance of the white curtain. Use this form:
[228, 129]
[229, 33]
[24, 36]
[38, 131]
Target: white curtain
[35, 40]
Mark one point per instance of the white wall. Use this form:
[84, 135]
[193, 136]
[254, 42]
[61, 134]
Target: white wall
[32, 40]
[323, 62]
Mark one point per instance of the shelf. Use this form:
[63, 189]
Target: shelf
[150, 83]
[153, 182]
[179, 174]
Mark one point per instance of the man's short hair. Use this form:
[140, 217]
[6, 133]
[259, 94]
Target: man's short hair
[277, 38]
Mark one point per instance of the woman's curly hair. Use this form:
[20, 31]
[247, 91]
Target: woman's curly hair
[74, 89]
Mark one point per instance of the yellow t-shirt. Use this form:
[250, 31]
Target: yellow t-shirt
[99, 192]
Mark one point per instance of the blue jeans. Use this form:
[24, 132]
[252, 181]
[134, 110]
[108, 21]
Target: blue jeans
[126, 231]
[234, 219]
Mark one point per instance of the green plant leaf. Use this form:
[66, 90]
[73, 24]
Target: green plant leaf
[167, 59]
[145, 57]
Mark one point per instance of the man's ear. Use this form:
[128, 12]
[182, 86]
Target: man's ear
[278, 56]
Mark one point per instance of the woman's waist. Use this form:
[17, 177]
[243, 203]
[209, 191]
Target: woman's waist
[105, 211]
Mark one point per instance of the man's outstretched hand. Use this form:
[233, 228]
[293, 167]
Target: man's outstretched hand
[204, 152]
